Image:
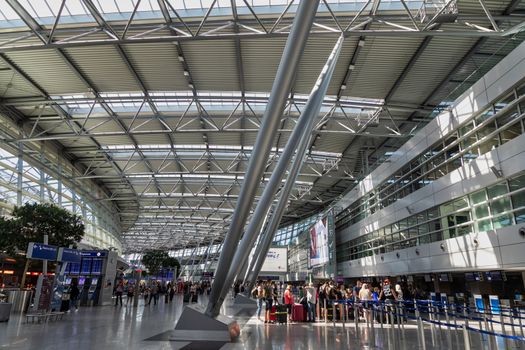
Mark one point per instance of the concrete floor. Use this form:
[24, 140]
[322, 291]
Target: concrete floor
[146, 327]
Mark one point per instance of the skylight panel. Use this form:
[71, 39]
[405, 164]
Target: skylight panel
[6, 12]
[112, 6]
[74, 8]
[37, 8]
[147, 6]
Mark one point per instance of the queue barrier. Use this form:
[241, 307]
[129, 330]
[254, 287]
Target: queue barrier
[401, 311]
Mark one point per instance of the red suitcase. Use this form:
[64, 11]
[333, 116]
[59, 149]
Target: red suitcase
[273, 316]
[298, 313]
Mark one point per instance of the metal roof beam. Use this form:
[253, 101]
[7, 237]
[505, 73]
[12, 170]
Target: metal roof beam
[87, 41]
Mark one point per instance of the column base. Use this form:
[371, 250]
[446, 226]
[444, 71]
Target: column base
[194, 324]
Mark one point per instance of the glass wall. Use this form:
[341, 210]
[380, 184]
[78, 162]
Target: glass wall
[21, 182]
[286, 235]
[494, 126]
[496, 206]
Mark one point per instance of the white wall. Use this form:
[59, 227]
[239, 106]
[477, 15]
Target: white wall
[495, 250]
[510, 158]
[500, 79]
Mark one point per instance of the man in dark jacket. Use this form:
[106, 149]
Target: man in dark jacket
[73, 295]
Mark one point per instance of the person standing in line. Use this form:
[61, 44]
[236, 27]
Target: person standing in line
[73, 295]
[365, 296]
[172, 293]
[288, 300]
[146, 294]
[399, 292]
[153, 294]
[268, 295]
[130, 293]
[311, 297]
[119, 290]
[355, 290]
[258, 292]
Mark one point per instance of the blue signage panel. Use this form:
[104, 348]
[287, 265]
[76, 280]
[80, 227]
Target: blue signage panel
[495, 306]
[68, 255]
[96, 267]
[40, 251]
[85, 268]
[93, 253]
[478, 301]
[74, 269]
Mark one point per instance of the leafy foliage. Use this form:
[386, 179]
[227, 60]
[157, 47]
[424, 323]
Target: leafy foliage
[173, 263]
[32, 221]
[154, 260]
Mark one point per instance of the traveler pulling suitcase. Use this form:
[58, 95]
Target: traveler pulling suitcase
[298, 313]
[281, 314]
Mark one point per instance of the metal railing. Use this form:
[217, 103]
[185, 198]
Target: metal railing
[507, 324]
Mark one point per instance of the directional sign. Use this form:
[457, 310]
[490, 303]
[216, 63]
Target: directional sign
[93, 253]
[40, 251]
[68, 255]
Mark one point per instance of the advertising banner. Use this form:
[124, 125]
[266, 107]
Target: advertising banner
[276, 260]
[322, 261]
[319, 243]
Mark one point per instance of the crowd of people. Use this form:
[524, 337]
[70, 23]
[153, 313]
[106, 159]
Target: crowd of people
[321, 300]
[152, 291]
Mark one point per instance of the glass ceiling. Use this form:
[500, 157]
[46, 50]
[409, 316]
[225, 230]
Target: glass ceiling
[45, 11]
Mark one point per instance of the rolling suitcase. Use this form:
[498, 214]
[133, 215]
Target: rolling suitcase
[298, 313]
[186, 298]
[281, 314]
[273, 316]
[194, 298]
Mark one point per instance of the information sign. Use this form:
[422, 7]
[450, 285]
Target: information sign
[40, 251]
[68, 255]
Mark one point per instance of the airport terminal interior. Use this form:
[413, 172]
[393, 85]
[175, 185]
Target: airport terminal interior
[262, 174]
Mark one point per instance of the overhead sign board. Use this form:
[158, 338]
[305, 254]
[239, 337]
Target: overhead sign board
[40, 251]
[68, 255]
[92, 253]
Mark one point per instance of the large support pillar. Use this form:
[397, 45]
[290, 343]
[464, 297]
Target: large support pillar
[302, 130]
[19, 175]
[270, 122]
[312, 108]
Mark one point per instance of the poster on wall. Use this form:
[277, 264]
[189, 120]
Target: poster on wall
[276, 260]
[319, 243]
[322, 261]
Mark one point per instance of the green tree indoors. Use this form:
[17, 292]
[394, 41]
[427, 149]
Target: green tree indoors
[31, 221]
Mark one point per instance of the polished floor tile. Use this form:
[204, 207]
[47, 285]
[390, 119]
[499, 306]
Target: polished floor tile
[148, 327]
